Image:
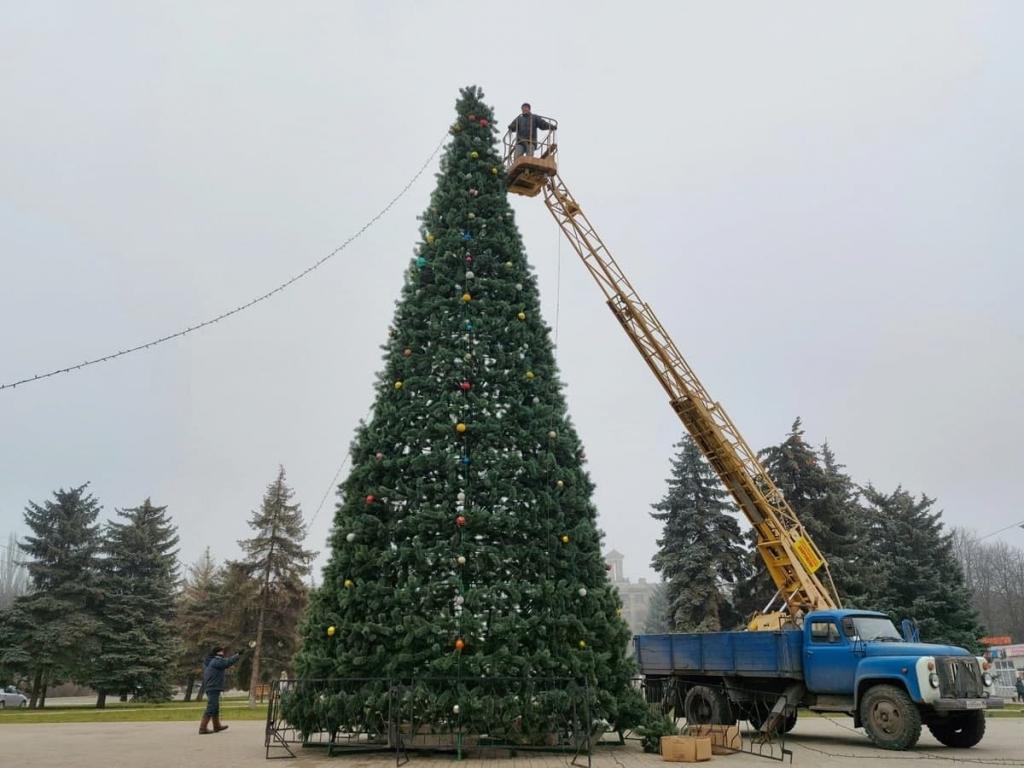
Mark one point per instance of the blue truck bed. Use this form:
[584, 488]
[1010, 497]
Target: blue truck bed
[742, 654]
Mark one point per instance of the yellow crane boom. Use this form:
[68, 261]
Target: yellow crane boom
[793, 561]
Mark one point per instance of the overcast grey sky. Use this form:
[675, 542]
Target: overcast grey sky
[823, 202]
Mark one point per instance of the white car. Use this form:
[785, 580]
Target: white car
[12, 697]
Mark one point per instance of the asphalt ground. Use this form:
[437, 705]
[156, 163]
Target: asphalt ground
[826, 742]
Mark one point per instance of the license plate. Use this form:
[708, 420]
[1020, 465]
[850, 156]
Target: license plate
[975, 704]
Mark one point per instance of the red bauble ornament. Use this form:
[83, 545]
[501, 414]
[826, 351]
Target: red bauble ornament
[465, 386]
[469, 259]
[483, 122]
[460, 644]
[370, 499]
[460, 521]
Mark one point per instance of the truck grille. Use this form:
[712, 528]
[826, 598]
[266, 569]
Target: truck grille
[959, 677]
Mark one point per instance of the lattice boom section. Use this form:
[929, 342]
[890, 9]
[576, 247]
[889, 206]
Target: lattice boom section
[737, 465]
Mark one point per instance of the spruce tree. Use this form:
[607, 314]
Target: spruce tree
[826, 501]
[139, 576]
[657, 621]
[920, 577]
[53, 629]
[276, 564]
[701, 547]
[198, 619]
[465, 543]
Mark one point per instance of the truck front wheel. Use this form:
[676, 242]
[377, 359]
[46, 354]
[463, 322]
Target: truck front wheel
[707, 706]
[890, 717]
[963, 730]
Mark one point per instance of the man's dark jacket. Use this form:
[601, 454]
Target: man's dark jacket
[526, 126]
[214, 668]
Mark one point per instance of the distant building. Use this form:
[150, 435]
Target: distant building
[636, 598]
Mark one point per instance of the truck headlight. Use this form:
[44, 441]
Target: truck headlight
[933, 680]
[986, 678]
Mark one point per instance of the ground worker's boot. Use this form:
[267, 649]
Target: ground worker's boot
[203, 725]
[216, 724]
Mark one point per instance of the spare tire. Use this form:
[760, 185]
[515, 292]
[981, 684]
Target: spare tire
[707, 706]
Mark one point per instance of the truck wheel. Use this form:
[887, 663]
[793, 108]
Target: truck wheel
[964, 730]
[890, 717]
[706, 706]
[790, 723]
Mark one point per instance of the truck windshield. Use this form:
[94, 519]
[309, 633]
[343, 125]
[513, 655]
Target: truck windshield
[871, 628]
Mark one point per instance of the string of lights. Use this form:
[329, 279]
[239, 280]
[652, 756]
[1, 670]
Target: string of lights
[331, 487]
[240, 308]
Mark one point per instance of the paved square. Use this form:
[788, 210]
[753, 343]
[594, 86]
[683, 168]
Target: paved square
[816, 742]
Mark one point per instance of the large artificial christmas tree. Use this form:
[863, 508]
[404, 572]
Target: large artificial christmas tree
[465, 544]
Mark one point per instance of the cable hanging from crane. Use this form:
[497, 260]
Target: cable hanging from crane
[263, 297]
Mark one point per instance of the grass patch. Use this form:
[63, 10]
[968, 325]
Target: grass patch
[126, 712]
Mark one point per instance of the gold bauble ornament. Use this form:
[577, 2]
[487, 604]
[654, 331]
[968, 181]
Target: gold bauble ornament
[349, 583]
[398, 385]
[565, 538]
[466, 297]
[460, 427]
[521, 315]
[330, 631]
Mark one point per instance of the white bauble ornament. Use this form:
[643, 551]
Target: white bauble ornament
[350, 538]
[470, 275]
[461, 559]
[455, 709]
[583, 591]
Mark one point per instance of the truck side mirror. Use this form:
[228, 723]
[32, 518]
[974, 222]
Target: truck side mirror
[910, 632]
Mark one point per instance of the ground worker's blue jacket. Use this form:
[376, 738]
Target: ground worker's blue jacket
[214, 668]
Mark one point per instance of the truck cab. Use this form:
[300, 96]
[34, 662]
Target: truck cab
[859, 662]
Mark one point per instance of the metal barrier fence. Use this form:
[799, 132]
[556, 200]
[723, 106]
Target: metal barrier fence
[738, 720]
[432, 714]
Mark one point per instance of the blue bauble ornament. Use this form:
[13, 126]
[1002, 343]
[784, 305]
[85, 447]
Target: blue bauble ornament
[469, 325]
[421, 262]
[465, 460]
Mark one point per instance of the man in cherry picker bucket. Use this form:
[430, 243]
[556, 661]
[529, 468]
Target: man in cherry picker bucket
[526, 126]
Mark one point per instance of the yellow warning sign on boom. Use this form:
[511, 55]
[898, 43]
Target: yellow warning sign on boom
[805, 551]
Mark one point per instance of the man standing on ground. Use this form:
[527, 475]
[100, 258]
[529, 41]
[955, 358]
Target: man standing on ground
[1020, 688]
[526, 126]
[214, 667]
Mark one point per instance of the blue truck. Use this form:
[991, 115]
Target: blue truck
[848, 661]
